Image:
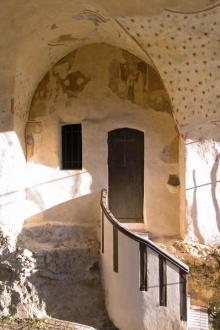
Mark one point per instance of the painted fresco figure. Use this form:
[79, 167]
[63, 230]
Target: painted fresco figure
[138, 82]
[135, 84]
[33, 137]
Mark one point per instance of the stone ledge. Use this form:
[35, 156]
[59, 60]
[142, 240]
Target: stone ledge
[44, 324]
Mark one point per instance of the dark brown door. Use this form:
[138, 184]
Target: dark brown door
[126, 174]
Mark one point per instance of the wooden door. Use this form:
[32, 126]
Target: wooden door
[126, 174]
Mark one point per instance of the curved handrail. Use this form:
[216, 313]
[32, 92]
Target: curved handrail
[136, 237]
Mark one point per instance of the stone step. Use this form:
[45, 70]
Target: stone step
[142, 233]
[137, 228]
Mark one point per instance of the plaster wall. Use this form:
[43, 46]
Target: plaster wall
[128, 307]
[121, 289]
[95, 104]
[202, 179]
[12, 183]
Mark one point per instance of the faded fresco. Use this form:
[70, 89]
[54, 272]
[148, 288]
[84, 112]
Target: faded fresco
[138, 82]
[59, 84]
[33, 137]
[89, 15]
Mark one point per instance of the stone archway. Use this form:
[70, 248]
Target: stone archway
[102, 87]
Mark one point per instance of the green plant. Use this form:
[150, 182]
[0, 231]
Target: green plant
[214, 317]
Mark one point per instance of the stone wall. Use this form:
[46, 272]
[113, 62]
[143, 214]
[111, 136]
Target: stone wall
[54, 271]
[204, 275]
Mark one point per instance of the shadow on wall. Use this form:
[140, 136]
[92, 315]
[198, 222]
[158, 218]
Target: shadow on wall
[34, 196]
[74, 189]
[214, 176]
[194, 213]
[77, 210]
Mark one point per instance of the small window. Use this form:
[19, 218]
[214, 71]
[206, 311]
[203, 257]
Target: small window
[72, 147]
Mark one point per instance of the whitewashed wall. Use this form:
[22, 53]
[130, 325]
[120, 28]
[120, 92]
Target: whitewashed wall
[202, 210]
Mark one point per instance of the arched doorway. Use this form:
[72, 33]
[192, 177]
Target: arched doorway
[126, 174]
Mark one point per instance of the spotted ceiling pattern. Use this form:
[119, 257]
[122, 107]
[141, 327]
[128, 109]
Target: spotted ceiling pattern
[186, 51]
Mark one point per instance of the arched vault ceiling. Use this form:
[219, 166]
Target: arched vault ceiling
[180, 38]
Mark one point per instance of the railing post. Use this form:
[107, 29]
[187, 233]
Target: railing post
[115, 249]
[163, 281]
[103, 231]
[143, 267]
[183, 296]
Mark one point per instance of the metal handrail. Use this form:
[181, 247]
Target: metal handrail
[136, 237]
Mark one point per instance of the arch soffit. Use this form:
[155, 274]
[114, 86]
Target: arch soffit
[99, 27]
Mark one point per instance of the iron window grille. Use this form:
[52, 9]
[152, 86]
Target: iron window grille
[72, 147]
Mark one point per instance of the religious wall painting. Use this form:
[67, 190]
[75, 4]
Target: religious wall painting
[33, 138]
[138, 82]
[38, 109]
[73, 84]
[60, 83]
